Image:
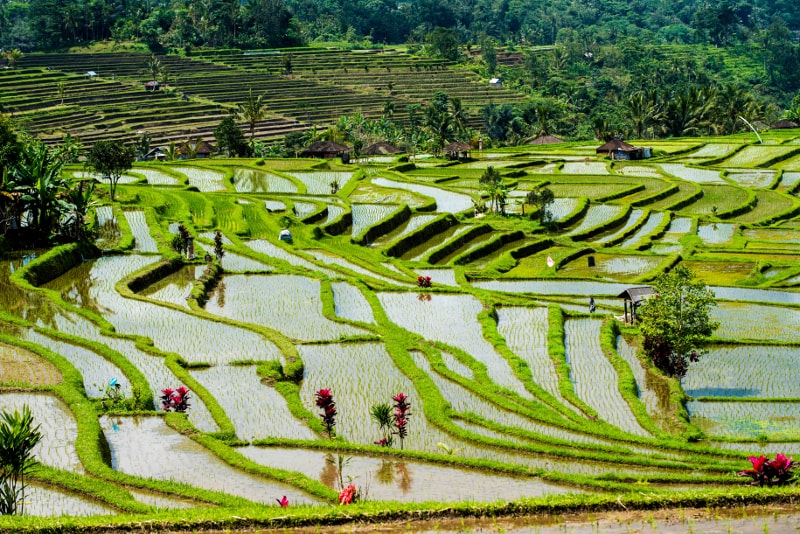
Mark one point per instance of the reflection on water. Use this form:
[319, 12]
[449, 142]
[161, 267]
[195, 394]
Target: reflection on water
[392, 479]
[28, 305]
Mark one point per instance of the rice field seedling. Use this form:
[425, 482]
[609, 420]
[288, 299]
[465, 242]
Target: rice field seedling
[752, 178]
[445, 277]
[485, 164]
[757, 371]
[547, 168]
[156, 177]
[589, 190]
[446, 201]
[776, 420]
[653, 221]
[693, 174]
[596, 215]
[267, 248]
[195, 339]
[275, 205]
[256, 410]
[233, 262]
[722, 198]
[123, 179]
[413, 223]
[143, 241]
[43, 501]
[365, 215]
[678, 227]
[176, 287]
[330, 259]
[614, 266]
[349, 303]
[403, 480]
[21, 366]
[255, 181]
[773, 235]
[423, 249]
[206, 180]
[740, 320]
[304, 209]
[451, 319]
[755, 155]
[108, 231]
[638, 170]
[712, 150]
[525, 331]
[553, 287]
[290, 304]
[361, 375]
[789, 180]
[717, 233]
[585, 167]
[561, 207]
[319, 182]
[369, 193]
[334, 212]
[635, 217]
[95, 370]
[594, 378]
[720, 272]
[654, 394]
[769, 204]
[456, 366]
[147, 447]
[57, 425]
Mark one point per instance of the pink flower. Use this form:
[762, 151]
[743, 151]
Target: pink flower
[283, 502]
[167, 392]
[348, 495]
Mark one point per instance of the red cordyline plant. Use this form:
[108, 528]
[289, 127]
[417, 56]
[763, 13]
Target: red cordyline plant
[325, 402]
[402, 411]
[349, 494]
[769, 472]
[284, 503]
[175, 400]
[424, 281]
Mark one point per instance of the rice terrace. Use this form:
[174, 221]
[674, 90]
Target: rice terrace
[280, 341]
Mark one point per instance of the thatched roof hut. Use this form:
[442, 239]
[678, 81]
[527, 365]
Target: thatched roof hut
[457, 150]
[380, 149]
[547, 140]
[615, 145]
[783, 123]
[325, 149]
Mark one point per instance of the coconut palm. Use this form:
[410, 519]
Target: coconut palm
[253, 110]
[641, 110]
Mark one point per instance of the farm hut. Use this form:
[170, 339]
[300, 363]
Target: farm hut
[618, 149]
[200, 150]
[547, 140]
[152, 85]
[91, 74]
[325, 149]
[158, 153]
[496, 82]
[632, 298]
[782, 124]
[380, 149]
[457, 150]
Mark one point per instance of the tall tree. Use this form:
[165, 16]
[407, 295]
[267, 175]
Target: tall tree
[676, 321]
[230, 138]
[253, 110]
[110, 159]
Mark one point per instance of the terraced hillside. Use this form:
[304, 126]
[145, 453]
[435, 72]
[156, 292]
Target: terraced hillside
[517, 393]
[52, 95]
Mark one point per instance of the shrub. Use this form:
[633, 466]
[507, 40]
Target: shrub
[769, 472]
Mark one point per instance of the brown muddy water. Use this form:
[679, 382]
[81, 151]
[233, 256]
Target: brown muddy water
[762, 519]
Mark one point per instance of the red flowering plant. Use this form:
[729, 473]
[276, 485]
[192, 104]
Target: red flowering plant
[175, 400]
[402, 411]
[349, 494]
[424, 281]
[328, 406]
[769, 472]
[284, 503]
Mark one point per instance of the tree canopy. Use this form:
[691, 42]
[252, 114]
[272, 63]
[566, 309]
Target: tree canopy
[110, 159]
[676, 321]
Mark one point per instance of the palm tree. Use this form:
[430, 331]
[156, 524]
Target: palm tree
[13, 57]
[686, 111]
[459, 117]
[253, 110]
[731, 103]
[62, 91]
[153, 66]
[640, 110]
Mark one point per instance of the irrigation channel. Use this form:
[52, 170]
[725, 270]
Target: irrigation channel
[521, 400]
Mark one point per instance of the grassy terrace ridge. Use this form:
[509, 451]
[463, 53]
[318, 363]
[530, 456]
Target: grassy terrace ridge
[513, 384]
[323, 86]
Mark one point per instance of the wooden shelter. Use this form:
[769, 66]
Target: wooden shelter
[782, 124]
[635, 296]
[457, 150]
[616, 148]
[200, 150]
[325, 149]
[547, 140]
[380, 148]
[152, 86]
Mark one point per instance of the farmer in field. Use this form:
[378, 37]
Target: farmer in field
[591, 305]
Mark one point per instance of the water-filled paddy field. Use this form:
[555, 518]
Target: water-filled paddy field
[515, 389]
